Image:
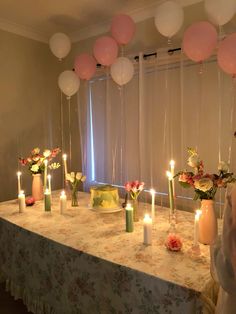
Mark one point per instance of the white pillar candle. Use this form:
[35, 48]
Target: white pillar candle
[153, 205]
[172, 171]
[196, 226]
[45, 174]
[63, 202]
[64, 157]
[21, 200]
[18, 181]
[147, 230]
[49, 183]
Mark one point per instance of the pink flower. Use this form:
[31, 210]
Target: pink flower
[183, 177]
[173, 242]
[23, 161]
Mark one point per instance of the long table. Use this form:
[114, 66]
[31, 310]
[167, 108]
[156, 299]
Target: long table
[85, 262]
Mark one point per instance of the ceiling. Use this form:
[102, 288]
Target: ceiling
[79, 19]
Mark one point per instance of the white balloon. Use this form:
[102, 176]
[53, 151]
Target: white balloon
[69, 83]
[169, 18]
[122, 71]
[220, 12]
[60, 45]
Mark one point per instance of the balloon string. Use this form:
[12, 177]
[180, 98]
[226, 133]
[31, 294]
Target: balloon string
[121, 132]
[70, 137]
[231, 118]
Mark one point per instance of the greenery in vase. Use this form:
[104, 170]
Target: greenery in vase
[134, 188]
[35, 161]
[205, 185]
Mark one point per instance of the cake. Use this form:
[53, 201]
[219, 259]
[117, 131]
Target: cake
[104, 197]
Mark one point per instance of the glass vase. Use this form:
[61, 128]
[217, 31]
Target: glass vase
[135, 210]
[74, 197]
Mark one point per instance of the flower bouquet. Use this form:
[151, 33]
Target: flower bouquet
[134, 188]
[36, 161]
[74, 179]
[37, 164]
[205, 185]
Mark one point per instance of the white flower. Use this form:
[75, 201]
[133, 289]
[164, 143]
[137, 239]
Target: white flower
[78, 176]
[69, 178]
[47, 153]
[34, 168]
[72, 174]
[83, 178]
[54, 166]
[193, 161]
[204, 184]
[223, 167]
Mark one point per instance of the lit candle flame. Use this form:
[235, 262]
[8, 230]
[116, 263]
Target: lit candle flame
[64, 156]
[172, 163]
[169, 175]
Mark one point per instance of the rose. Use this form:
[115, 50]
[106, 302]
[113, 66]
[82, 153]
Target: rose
[223, 167]
[35, 168]
[173, 242]
[183, 177]
[194, 161]
[35, 151]
[204, 184]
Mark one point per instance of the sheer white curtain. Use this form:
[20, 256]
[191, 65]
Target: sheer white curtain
[133, 132]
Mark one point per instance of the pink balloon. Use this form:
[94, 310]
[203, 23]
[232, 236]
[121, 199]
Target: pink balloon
[122, 28]
[199, 41]
[85, 66]
[105, 50]
[227, 54]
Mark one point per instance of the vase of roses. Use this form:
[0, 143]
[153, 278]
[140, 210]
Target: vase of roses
[205, 186]
[74, 179]
[134, 188]
[37, 164]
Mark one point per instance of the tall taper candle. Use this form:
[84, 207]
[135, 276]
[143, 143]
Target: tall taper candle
[129, 214]
[171, 194]
[196, 226]
[172, 171]
[47, 201]
[64, 156]
[21, 200]
[153, 205]
[18, 181]
[49, 183]
[63, 202]
[147, 230]
[45, 174]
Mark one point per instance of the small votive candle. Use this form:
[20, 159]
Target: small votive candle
[63, 202]
[47, 200]
[196, 226]
[129, 214]
[147, 230]
[21, 200]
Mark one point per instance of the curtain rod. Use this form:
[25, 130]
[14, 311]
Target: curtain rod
[147, 55]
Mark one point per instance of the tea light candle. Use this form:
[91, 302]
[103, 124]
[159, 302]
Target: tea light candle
[153, 205]
[21, 200]
[171, 193]
[49, 183]
[45, 174]
[18, 181]
[47, 200]
[64, 157]
[196, 226]
[63, 202]
[147, 230]
[172, 171]
[129, 214]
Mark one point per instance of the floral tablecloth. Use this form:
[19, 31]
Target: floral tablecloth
[85, 262]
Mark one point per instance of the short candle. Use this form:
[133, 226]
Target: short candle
[21, 200]
[129, 214]
[47, 200]
[63, 202]
[147, 230]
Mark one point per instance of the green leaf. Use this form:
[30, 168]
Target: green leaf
[184, 185]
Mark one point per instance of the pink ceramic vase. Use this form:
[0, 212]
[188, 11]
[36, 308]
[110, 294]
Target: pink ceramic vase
[37, 187]
[207, 223]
